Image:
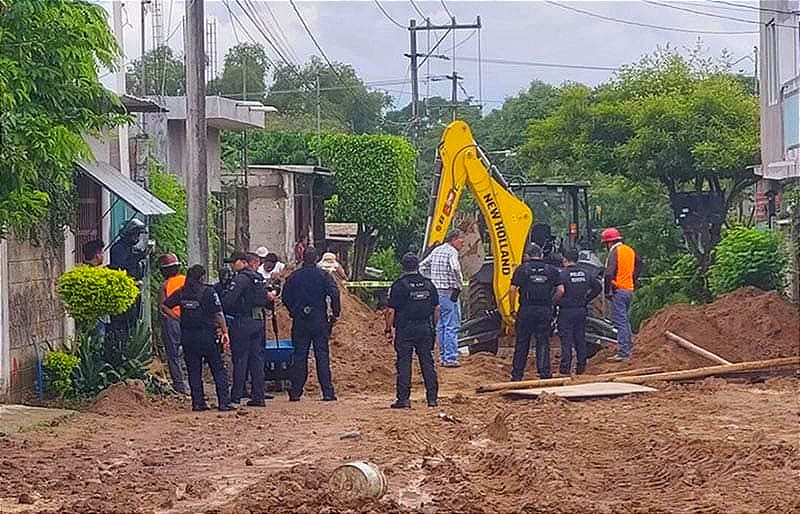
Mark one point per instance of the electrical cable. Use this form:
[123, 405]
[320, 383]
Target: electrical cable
[419, 11]
[712, 15]
[287, 44]
[753, 7]
[446, 9]
[647, 25]
[272, 38]
[388, 16]
[510, 62]
[426, 57]
[321, 51]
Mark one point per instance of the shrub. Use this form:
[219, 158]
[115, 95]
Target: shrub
[90, 293]
[386, 260]
[683, 282]
[748, 257]
[58, 368]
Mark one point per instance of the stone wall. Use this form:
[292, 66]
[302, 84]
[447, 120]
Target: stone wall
[35, 313]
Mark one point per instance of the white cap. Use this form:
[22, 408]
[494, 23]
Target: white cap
[262, 251]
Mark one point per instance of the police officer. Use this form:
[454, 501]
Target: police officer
[305, 295]
[580, 288]
[129, 255]
[413, 311]
[201, 322]
[246, 299]
[538, 286]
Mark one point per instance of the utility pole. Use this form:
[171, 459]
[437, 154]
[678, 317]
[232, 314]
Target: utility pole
[454, 94]
[242, 214]
[197, 173]
[414, 80]
[413, 28]
[143, 11]
[319, 130]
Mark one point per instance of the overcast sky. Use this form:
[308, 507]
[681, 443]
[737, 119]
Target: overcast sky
[357, 32]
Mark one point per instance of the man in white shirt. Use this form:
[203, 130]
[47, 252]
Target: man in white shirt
[443, 268]
[270, 267]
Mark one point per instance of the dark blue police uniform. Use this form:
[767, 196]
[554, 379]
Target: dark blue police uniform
[414, 299]
[580, 288]
[199, 341]
[536, 281]
[305, 295]
[245, 300]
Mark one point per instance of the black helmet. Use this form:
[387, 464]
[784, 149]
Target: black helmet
[133, 227]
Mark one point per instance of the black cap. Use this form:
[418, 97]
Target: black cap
[237, 256]
[409, 262]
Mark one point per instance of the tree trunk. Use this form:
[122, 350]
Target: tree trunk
[366, 240]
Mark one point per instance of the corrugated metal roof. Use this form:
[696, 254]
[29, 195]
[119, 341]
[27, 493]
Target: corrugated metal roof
[293, 168]
[129, 191]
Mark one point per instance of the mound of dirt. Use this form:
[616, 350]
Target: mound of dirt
[123, 399]
[747, 324]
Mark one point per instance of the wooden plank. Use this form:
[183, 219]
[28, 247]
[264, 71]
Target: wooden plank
[588, 390]
[685, 343]
[710, 371]
[525, 384]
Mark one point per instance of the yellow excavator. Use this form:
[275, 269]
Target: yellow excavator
[509, 222]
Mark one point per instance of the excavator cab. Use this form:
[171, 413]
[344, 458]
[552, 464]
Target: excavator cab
[561, 216]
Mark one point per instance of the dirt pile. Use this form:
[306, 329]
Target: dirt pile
[123, 399]
[747, 324]
[362, 359]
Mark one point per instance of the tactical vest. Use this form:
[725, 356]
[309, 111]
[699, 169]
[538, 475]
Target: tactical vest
[418, 304]
[539, 287]
[576, 287]
[192, 312]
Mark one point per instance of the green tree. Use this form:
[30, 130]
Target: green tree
[50, 96]
[682, 121]
[374, 184]
[245, 62]
[505, 128]
[343, 95]
[159, 72]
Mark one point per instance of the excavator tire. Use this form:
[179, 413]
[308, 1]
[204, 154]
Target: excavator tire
[479, 301]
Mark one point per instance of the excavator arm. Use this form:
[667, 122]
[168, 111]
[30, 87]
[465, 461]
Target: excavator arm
[460, 163]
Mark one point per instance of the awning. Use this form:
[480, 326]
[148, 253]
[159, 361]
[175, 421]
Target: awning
[126, 189]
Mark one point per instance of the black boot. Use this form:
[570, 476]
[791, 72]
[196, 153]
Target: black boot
[401, 404]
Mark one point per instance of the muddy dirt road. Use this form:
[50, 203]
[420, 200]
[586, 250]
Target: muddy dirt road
[711, 446]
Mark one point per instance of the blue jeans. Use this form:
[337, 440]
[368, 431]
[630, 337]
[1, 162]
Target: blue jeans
[448, 327]
[620, 317]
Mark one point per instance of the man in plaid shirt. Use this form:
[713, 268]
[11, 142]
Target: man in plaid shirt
[442, 267]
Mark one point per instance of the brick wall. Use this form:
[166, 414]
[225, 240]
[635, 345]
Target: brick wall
[35, 313]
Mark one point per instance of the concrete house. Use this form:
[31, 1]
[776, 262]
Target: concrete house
[31, 316]
[779, 86]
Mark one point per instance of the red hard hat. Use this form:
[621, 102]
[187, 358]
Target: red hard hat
[168, 259]
[610, 235]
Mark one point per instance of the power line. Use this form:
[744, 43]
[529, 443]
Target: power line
[430, 52]
[712, 15]
[534, 64]
[419, 11]
[388, 16]
[272, 39]
[446, 9]
[281, 32]
[646, 25]
[753, 7]
[319, 47]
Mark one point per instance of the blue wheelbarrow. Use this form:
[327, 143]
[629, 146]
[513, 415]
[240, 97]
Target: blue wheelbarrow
[278, 358]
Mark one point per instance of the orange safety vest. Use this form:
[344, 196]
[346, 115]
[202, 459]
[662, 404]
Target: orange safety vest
[171, 285]
[626, 265]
